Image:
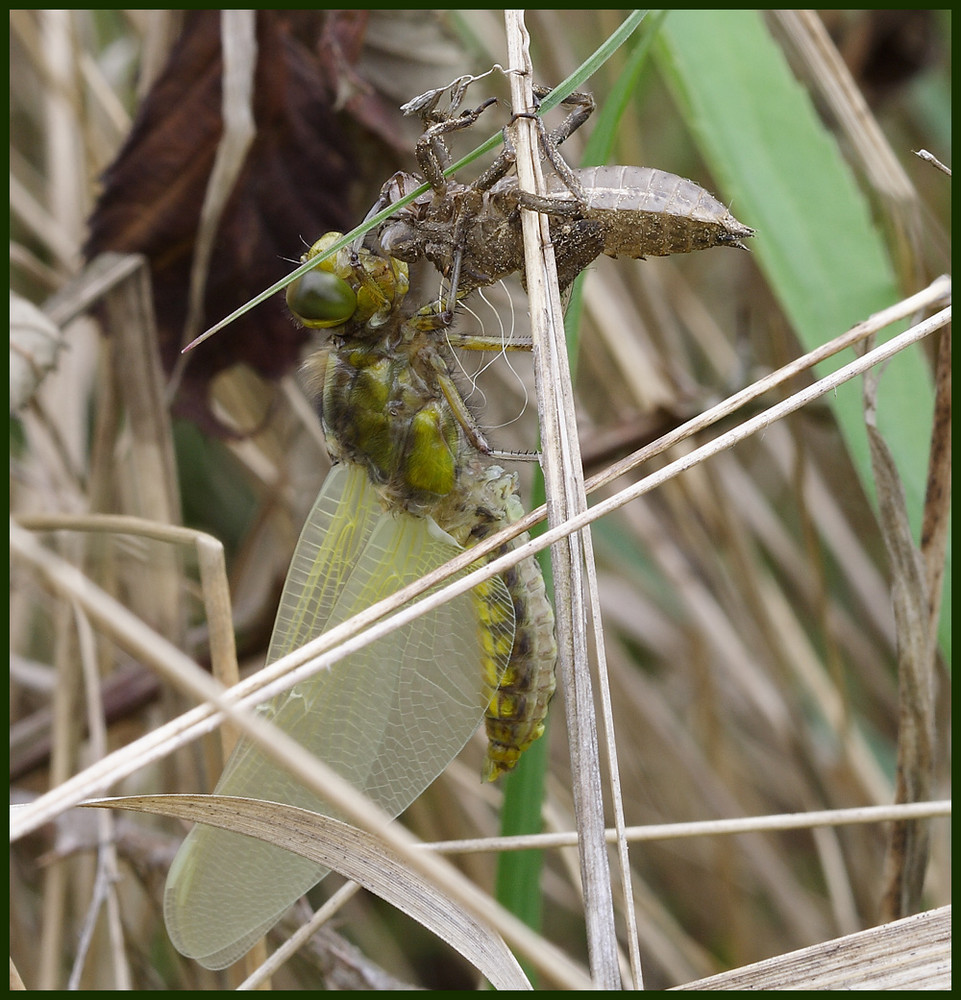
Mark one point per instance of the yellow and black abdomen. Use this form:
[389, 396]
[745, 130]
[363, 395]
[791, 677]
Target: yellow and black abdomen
[517, 709]
[486, 501]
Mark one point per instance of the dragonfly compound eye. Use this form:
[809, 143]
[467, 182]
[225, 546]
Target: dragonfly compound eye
[320, 299]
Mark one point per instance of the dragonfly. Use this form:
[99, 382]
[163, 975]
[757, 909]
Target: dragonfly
[472, 233]
[414, 484]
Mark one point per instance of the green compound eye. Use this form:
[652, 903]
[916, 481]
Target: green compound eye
[321, 299]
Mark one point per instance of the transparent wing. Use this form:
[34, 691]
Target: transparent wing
[389, 718]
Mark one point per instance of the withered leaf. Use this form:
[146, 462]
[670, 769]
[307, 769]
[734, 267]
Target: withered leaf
[298, 181]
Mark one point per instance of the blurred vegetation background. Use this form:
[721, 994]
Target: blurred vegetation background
[748, 619]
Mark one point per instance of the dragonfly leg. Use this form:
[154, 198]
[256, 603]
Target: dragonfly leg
[431, 149]
[458, 407]
[386, 196]
[556, 206]
[580, 101]
[468, 207]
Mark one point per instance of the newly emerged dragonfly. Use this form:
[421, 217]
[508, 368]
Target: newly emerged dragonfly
[413, 487]
[472, 233]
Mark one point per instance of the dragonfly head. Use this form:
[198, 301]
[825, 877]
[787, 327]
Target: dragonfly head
[358, 287]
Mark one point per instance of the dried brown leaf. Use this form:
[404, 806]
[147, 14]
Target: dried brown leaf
[296, 183]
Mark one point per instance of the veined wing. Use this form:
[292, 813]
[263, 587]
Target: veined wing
[389, 718]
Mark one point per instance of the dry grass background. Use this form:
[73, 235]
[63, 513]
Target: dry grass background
[749, 630]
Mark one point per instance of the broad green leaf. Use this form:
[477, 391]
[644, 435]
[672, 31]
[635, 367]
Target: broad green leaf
[782, 172]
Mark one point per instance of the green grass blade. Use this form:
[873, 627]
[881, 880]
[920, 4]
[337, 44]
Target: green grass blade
[518, 883]
[594, 61]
